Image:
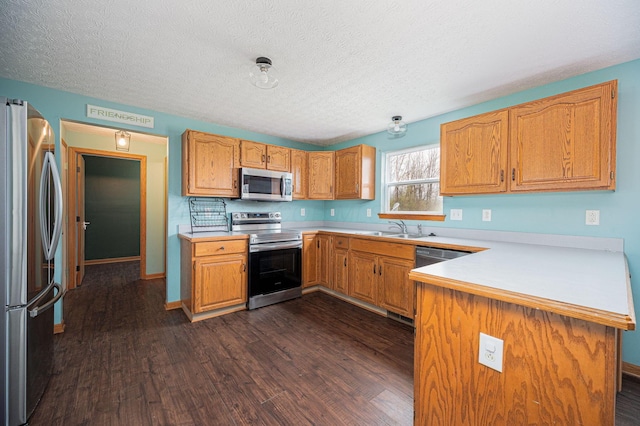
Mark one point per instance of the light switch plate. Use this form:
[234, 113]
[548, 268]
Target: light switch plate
[490, 352]
[368, 212]
[486, 215]
[302, 212]
[333, 212]
[455, 214]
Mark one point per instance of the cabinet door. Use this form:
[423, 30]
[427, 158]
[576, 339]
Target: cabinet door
[473, 154]
[565, 142]
[324, 260]
[363, 276]
[278, 158]
[210, 165]
[220, 281]
[253, 154]
[321, 175]
[397, 291]
[300, 170]
[310, 251]
[355, 173]
[341, 271]
[348, 172]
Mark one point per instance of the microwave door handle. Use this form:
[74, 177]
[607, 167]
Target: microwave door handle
[49, 168]
[282, 186]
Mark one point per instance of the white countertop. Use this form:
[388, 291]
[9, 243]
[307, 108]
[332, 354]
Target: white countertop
[595, 282]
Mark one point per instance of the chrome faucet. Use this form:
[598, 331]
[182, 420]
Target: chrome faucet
[400, 224]
[419, 229]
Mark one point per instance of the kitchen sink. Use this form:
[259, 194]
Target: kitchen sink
[408, 236]
[373, 233]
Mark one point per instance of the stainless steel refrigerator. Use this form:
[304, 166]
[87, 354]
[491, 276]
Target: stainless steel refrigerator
[30, 227]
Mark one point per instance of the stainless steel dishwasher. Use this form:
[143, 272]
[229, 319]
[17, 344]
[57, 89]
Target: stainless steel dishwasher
[430, 255]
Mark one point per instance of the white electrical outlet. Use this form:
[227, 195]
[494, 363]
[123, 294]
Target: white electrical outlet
[368, 212]
[593, 217]
[302, 212]
[333, 212]
[455, 214]
[486, 215]
[490, 352]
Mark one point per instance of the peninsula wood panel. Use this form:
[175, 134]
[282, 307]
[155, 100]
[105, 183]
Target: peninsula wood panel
[556, 369]
[473, 154]
[565, 142]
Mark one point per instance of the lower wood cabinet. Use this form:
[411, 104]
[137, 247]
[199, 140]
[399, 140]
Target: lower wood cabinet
[340, 264]
[396, 292]
[310, 252]
[379, 274]
[363, 276]
[316, 262]
[213, 275]
[376, 272]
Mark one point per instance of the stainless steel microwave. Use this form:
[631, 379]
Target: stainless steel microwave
[265, 185]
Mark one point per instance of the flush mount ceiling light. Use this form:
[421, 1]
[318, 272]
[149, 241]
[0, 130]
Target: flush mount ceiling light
[123, 140]
[263, 74]
[397, 128]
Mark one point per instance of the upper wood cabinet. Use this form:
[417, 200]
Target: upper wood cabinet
[321, 175]
[300, 172]
[561, 143]
[262, 156]
[473, 154]
[355, 173]
[565, 142]
[210, 165]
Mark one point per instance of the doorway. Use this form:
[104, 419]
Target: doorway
[78, 223]
[150, 151]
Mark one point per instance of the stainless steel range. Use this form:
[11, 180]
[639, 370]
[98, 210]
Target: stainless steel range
[275, 257]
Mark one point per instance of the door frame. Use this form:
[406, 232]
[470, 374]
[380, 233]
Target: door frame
[72, 153]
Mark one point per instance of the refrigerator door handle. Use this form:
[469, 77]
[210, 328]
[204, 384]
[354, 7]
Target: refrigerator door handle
[49, 168]
[39, 309]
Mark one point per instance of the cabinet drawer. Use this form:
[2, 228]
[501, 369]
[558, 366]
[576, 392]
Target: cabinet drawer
[340, 242]
[219, 247]
[404, 251]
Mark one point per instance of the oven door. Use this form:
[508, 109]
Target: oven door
[274, 267]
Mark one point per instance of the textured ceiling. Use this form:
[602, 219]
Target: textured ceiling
[345, 67]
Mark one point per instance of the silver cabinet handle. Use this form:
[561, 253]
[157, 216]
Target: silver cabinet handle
[84, 225]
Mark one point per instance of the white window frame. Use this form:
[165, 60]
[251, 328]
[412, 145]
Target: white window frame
[386, 180]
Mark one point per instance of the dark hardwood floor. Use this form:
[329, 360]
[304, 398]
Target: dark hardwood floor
[124, 360]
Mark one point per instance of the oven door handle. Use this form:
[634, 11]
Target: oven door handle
[276, 246]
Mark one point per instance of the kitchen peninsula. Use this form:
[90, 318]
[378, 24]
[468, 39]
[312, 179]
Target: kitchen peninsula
[559, 312]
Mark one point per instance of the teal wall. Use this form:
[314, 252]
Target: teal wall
[112, 208]
[550, 213]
